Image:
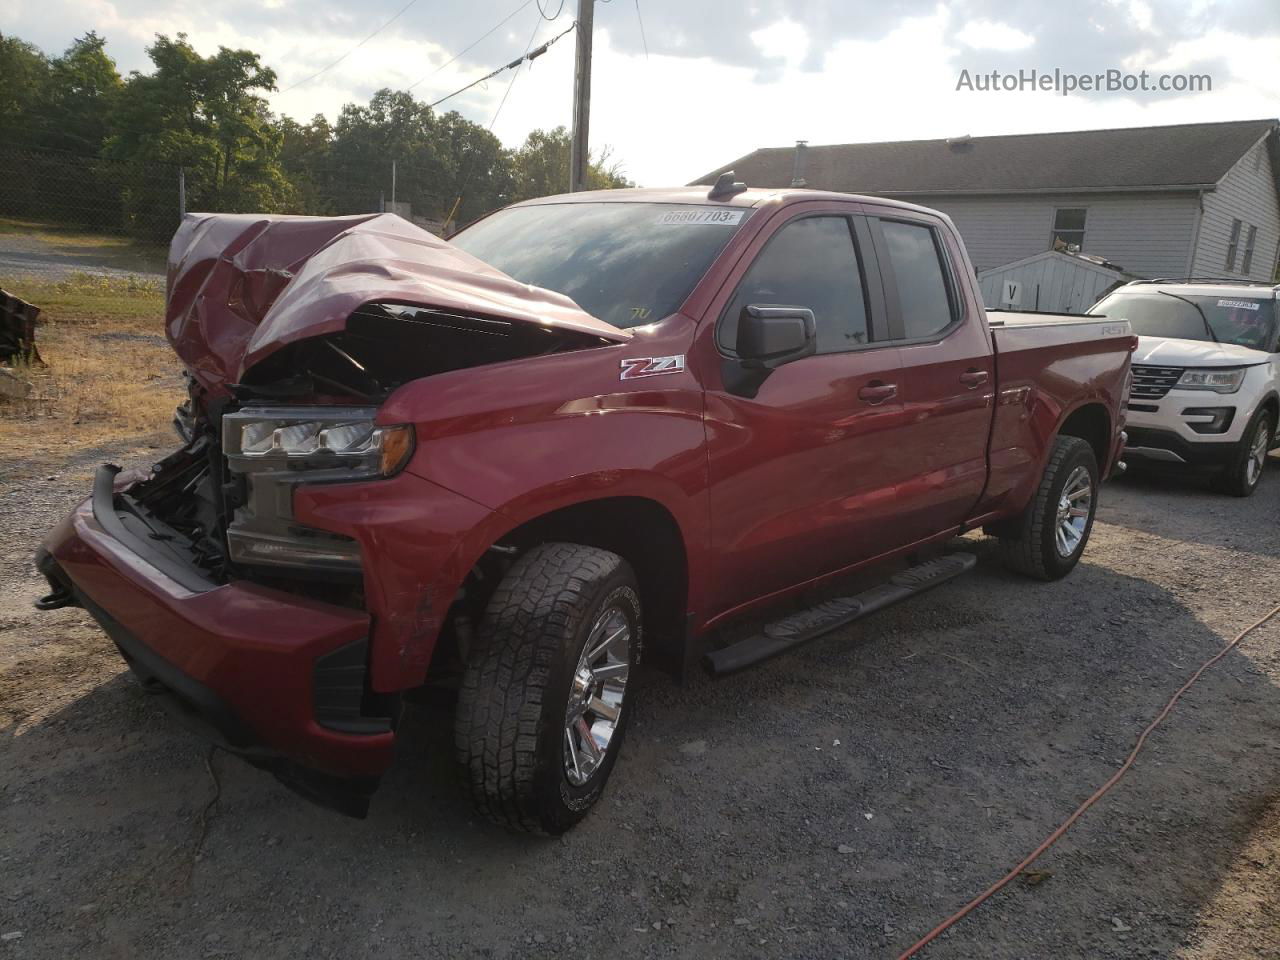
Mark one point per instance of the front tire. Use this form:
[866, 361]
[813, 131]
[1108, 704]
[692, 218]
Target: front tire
[1242, 475]
[544, 700]
[1048, 539]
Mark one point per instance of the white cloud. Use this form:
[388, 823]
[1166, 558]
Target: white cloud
[989, 35]
[784, 39]
[1141, 13]
[671, 117]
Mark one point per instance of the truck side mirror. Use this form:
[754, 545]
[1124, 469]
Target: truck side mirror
[769, 336]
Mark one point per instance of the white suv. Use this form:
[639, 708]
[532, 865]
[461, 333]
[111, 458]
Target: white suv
[1205, 375]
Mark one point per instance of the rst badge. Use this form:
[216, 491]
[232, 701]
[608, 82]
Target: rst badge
[650, 367]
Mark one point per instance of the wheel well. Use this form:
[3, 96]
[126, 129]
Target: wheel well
[1092, 424]
[1272, 404]
[641, 531]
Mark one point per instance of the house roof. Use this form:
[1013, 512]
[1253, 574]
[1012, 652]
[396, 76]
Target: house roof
[1185, 156]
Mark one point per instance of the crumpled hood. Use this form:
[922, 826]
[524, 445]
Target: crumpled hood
[241, 286]
[1171, 352]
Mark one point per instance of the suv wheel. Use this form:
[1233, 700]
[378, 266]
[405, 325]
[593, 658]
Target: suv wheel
[1046, 541]
[1241, 477]
[544, 700]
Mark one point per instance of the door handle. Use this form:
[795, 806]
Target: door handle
[878, 392]
[974, 378]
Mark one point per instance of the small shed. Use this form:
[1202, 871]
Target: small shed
[1055, 281]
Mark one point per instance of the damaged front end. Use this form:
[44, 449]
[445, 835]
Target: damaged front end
[320, 320]
[273, 575]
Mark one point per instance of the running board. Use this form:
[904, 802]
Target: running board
[805, 625]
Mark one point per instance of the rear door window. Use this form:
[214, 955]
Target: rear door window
[810, 262]
[919, 277]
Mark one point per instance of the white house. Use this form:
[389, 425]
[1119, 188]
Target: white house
[1196, 199]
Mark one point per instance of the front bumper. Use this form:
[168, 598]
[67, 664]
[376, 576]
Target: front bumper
[272, 676]
[1170, 413]
[1160, 446]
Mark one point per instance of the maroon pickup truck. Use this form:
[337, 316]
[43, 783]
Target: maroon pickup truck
[504, 461]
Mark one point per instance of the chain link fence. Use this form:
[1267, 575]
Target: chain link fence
[146, 201]
[90, 193]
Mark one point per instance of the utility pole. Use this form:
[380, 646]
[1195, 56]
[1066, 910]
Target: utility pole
[579, 157]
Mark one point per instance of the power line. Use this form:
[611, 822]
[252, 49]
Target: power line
[399, 13]
[468, 47]
[529, 56]
[466, 179]
[527, 47]
[643, 39]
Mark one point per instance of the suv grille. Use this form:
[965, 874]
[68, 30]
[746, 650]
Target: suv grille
[1152, 383]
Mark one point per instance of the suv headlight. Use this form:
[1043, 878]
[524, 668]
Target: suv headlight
[1217, 380]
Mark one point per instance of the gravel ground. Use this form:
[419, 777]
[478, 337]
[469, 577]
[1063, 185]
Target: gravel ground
[30, 255]
[836, 802]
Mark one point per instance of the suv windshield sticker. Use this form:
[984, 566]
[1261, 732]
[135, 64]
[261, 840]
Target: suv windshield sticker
[713, 215]
[1240, 304]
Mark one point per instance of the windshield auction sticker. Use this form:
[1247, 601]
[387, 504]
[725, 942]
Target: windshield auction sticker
[716, 216]
[1239, 304]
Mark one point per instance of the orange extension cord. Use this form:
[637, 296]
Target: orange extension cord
[1054, 837]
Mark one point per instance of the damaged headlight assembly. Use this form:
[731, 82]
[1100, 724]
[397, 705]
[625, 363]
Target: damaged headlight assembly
[276, 448]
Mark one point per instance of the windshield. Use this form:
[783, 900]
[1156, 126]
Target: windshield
[1243, 321]
[625, 263]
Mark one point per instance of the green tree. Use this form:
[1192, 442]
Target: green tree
[541, 166]
[206, 115]
[304, 158]
[366, 139]
[24, 84]
[83, 88]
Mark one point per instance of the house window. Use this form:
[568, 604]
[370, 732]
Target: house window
[1232, 244]
[1247, 262]
[1068, 228]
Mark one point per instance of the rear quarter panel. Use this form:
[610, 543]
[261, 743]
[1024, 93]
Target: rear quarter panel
[1045, 371]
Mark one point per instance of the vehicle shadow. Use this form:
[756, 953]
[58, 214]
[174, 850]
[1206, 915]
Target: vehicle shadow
[835, 802]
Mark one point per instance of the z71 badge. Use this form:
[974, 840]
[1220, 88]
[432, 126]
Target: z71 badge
[651, 367]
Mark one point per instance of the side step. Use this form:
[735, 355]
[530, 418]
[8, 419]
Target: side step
[805, 625]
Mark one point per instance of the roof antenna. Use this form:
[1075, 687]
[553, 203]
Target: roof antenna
[726, 187]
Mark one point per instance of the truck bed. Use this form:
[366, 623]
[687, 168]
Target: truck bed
[1047, 365]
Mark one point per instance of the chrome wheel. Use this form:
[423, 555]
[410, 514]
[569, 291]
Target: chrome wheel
[1257, 457]
[595, 695]
[1074, 506]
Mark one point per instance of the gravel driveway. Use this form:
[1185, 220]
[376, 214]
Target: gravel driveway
[837, 802]
[32, 256]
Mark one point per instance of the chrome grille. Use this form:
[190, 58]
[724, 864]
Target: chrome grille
[1152, 383]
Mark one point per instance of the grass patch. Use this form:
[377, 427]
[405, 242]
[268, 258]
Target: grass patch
[111, 374]
[94, 249]
[89, 297]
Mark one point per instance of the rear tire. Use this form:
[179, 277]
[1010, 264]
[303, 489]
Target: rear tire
[1244, 473]
[533, 704]
[1048, 538]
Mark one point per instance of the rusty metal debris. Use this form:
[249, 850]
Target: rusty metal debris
[18, 330]
[17, 343]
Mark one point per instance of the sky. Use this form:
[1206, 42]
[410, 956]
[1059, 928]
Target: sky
[706, 81]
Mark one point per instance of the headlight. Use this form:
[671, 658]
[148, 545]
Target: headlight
[343, 438]
[1219, 380]
[275, 449]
